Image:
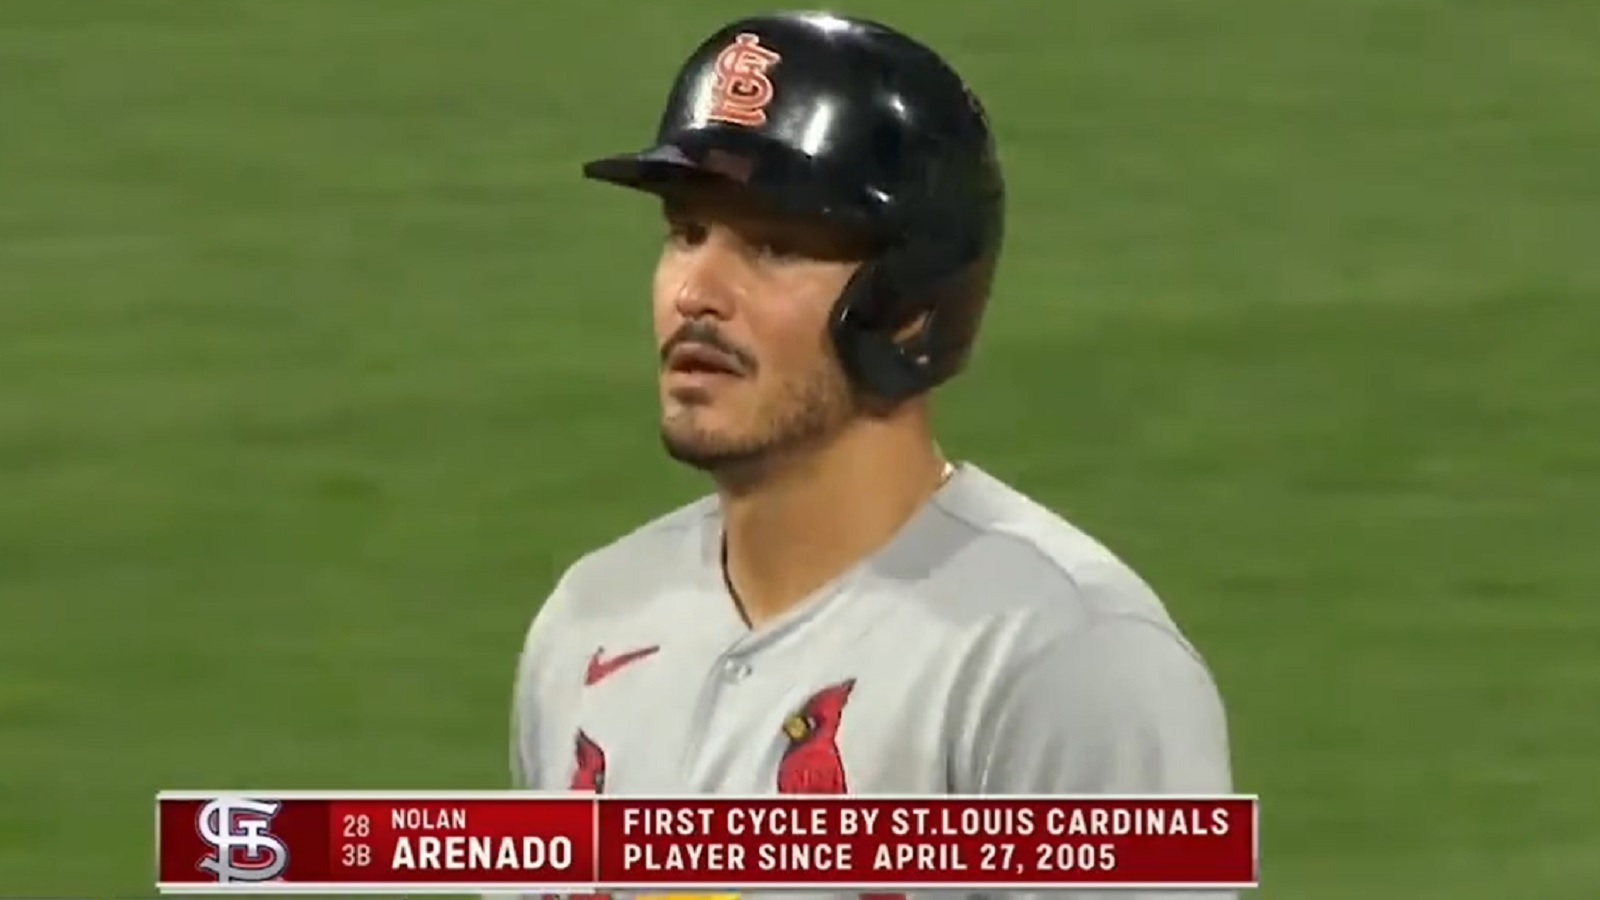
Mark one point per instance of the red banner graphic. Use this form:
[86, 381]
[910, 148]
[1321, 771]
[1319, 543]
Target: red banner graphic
[298, 842]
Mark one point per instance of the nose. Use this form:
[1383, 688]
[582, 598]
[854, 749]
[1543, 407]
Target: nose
[708, 283]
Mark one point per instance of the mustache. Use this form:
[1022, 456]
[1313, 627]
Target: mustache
[706, 335]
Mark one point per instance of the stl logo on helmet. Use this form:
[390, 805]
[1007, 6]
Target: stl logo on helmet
[743, 87]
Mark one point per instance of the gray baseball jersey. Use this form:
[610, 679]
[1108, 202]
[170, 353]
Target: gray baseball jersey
[990, 648]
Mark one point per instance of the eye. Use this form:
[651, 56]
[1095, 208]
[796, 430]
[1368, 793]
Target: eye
[778, 249]
[685, 233]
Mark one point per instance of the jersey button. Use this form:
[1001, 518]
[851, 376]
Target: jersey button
[736, 670]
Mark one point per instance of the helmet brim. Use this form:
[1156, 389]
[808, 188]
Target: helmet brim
[648, 170]
[785, 181]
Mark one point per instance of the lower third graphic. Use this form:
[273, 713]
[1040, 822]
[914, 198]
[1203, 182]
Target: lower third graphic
[239, 831]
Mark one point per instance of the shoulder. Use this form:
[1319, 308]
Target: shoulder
[606, 584]
[611, 578]
[1066, 640]
[1005, 556]
[1044, 606]
[1123, 706]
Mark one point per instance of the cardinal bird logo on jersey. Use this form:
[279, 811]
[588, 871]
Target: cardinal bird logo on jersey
[811, 763]
[590, 775]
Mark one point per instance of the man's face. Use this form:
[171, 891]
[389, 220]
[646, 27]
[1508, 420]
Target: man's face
[742, 300]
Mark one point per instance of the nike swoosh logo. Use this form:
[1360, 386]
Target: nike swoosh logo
[601, 668]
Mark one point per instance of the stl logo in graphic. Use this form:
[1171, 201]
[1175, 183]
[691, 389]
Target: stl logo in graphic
[238, 830]
[743, 88]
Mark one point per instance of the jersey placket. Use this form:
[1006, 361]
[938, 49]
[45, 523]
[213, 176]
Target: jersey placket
[736, 734]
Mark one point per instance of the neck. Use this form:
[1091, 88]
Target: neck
[808, 519]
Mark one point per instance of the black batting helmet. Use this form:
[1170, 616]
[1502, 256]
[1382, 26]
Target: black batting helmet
[852, 121]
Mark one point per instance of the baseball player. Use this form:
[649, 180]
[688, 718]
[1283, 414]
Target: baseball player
[848, 611]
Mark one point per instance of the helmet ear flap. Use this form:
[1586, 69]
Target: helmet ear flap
[866, 327]
[906, 319]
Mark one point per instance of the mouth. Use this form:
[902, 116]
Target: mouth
[700, 360]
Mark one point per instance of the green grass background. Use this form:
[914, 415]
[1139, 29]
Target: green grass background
[318, 361]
